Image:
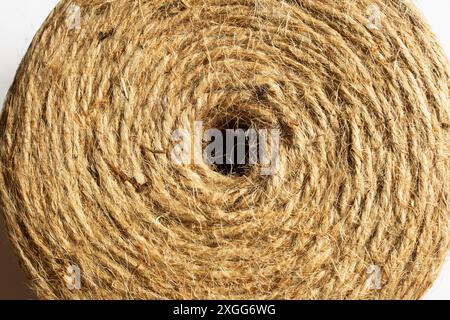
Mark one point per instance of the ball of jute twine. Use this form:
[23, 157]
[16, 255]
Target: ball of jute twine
[358, 209]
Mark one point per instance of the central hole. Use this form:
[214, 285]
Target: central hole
[238, 149]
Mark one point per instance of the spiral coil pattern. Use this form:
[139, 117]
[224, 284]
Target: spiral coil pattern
[85, 137]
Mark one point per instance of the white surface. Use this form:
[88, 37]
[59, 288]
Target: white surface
[20, 19]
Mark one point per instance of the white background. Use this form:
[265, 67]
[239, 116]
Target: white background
[20, 19]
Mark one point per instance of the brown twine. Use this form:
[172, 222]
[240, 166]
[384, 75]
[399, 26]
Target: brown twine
[86, 178]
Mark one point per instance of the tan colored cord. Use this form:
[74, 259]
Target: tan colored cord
[358, 210]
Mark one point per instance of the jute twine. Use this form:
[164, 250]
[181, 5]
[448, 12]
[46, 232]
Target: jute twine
[359, 207]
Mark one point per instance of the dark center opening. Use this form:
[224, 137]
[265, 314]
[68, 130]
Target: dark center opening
[239, 149]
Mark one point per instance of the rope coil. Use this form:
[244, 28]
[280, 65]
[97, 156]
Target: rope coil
[359, 208]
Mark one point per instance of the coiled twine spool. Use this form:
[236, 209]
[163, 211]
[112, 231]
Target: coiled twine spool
[359, 207]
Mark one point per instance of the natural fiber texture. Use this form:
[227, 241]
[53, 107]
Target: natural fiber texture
[86, 178]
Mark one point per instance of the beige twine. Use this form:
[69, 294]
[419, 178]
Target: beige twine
[86, 178]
